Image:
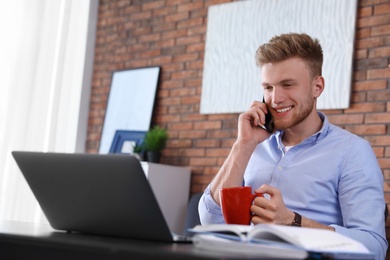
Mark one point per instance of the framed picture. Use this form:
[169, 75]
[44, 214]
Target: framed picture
[125, 141]
[130, 103]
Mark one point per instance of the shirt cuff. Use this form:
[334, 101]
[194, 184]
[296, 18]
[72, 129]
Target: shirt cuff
[209, 211]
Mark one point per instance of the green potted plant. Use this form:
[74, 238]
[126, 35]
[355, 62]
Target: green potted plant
[154, 141]
[139, 151]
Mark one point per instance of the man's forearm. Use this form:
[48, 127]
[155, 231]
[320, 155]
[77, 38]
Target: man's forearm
[232, 171]
[313, 224]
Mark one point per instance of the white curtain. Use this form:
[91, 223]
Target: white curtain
[45, 76]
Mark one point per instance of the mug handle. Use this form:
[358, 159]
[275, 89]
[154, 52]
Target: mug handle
[254, 195]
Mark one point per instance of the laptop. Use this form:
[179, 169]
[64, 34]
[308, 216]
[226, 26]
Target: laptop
[97, 194]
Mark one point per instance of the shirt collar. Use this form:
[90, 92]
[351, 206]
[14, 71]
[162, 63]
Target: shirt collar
[315, 138]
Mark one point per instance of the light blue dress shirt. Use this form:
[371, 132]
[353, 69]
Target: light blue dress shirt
[332, 177]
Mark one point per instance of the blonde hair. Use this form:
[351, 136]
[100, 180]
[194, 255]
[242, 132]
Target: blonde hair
[285, 46]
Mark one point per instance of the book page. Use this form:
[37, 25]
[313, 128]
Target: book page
[242, 250]
[311, 239]
[228, 229]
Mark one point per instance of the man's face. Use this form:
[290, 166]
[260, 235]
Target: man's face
[289, 92]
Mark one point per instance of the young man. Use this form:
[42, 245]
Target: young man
[314, 173]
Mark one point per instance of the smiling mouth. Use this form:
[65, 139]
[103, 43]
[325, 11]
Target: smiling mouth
[284, 109]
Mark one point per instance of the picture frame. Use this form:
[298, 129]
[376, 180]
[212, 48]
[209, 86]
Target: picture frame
[130, 103]
[124, 141]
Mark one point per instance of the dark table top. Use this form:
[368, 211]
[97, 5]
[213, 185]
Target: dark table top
[20, 240]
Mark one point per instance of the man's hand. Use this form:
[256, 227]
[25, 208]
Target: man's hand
[250, 122]
[272, 210]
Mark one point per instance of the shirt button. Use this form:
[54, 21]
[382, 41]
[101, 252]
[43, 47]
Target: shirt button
[280, 168]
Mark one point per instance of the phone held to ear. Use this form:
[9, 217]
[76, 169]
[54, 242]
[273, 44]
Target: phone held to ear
[269, 122]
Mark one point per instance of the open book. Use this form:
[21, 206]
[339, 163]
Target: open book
[276, 241]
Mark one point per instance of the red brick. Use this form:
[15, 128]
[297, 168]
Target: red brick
[359, 75]
[365, 11]
[378, 73]
[207, 143]
[193, 134]
[149, 54]
[194, 82]
[206, 161]
[370, 85]
[197, 30]
[366, 107]
[207, 125]
[378, 140]
[379, 151]
[181, 126]
[373, 21]
[218, 152]
[153, 5]
[198, 21]
[161, 60]
[176, 17]
[140, 15]
[382, 9]
[221, 134]
[385, 163]
[206, 179]
[346, 119]
[378, 95]
[192, 152]
[363, 33]
[386, 174]
[379, 52]
[186, 57]
[216, 2]
[366, 129]
[188, 40]
[197, 64]
[182, 143]
[182, 92]
[190, 6]
[377, 118]
[174, 34]
[162, 12]
[370, 43]
[380, 30]
[191, 100]
[184, 74]
[168, 118]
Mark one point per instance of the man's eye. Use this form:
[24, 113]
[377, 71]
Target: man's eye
[288, 84]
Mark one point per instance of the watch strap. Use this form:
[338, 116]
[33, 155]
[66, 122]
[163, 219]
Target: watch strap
[297, 222]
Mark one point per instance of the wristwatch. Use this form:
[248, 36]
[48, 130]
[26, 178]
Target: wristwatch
[297, 222]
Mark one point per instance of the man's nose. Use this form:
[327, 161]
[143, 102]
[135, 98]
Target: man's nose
[278, 96]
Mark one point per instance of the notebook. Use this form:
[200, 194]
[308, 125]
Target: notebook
[102, 194]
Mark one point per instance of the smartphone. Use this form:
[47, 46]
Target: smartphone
[269, 122]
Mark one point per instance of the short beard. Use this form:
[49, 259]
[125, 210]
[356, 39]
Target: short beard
[297, 118]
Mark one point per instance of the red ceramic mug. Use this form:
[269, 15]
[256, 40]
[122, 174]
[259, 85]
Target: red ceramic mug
[236, 203]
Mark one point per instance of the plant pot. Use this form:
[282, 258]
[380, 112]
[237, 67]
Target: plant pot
[153, 157]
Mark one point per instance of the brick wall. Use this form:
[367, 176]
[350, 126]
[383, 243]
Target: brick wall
[171, 34]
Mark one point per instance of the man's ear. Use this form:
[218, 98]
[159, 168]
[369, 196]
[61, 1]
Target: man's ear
[319, 85]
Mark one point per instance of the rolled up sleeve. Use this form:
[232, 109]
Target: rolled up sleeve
[209, 210]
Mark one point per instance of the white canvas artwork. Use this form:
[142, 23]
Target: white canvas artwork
[231, 79]
[130, 103]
